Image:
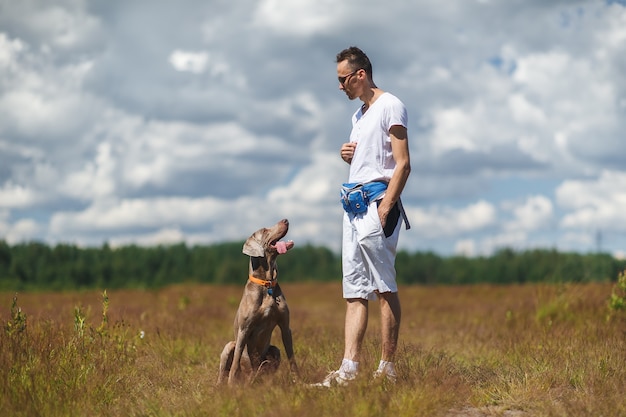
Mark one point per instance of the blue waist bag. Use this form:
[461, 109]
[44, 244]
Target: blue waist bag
[355, 197]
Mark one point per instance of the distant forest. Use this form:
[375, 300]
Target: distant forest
[38, 267]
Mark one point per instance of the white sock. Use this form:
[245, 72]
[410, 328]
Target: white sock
[349, 367]
[386, 367]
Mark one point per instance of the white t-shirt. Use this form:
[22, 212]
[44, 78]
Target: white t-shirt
[373, 159]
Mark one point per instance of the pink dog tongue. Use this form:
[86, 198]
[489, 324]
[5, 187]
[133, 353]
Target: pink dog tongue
[281, 247]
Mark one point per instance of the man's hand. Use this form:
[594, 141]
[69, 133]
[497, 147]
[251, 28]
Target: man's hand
[383, 212]
[347, 151]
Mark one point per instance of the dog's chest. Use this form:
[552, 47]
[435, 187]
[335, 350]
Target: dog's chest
[272, 307]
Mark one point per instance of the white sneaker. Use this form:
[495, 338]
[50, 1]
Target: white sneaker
[335, 379]
[381, 375]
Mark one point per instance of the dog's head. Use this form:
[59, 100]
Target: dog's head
[266, 241]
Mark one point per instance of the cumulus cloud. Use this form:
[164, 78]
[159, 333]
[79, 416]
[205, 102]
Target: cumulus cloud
[532, 214]
[16, 196]
[17, 231]
[596, 204]
[195, 62]
[9, 50]
[448, 221]
[137, 213]
[302, 18]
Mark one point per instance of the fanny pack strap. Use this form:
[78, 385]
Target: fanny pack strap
[407, 225]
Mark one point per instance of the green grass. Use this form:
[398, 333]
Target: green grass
[524, 350]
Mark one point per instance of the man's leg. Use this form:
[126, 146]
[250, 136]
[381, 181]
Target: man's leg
[390, 326]
[355, 326]
[390, 314]
[355, 288]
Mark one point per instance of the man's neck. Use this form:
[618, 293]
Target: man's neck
[369, 97]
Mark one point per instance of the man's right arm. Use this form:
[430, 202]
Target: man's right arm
[347, 151]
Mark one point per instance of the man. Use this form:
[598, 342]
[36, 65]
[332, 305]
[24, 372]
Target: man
[378, 154]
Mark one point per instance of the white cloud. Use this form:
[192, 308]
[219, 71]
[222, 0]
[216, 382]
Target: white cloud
[517, 240]
[316, 183]
[594, 204]
[611, 34]
[533, 214]
[526, 113]
[454, 129]
[448, 221]
[64, 26]
[96, 180]
[42, 100]
[165, 236]
[138, 213]
[302, 18]
[9, 51]
[16, 196]
[568, 98]
[195, 62]
[20, 231]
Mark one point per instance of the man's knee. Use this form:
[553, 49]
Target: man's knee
[390, 301]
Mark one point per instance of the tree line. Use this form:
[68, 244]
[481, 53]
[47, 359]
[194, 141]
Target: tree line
[38, 266]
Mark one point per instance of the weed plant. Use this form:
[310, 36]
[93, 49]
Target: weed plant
[481, 350]
[617, 302]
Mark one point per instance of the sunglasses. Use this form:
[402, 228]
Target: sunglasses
[342, 80]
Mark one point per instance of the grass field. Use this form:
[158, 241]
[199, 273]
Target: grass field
[534, 350]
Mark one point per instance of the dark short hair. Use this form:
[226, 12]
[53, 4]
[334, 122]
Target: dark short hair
[356, 59]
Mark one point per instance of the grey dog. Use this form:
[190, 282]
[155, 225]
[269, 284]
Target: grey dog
[263, 307]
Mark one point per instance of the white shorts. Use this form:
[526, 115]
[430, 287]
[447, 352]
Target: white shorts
[368, 256]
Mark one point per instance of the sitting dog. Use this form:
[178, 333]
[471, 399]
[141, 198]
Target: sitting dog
[263, 307]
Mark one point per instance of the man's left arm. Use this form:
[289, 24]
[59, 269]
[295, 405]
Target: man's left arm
[400, 151]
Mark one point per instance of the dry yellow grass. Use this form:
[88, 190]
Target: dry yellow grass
[534, 350]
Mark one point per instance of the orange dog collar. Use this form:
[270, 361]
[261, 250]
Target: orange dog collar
[263, 282]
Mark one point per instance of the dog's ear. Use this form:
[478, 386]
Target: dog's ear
[253, 246]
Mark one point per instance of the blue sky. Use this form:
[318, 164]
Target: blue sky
[155, 122]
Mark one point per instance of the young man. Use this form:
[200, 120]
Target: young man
[378, 154]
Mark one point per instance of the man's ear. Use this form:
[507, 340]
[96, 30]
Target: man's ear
[253, 246]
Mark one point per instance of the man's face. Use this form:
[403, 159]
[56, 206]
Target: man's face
[348, 79]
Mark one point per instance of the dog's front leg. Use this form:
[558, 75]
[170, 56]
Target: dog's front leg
[240, 343]
[285, 332]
